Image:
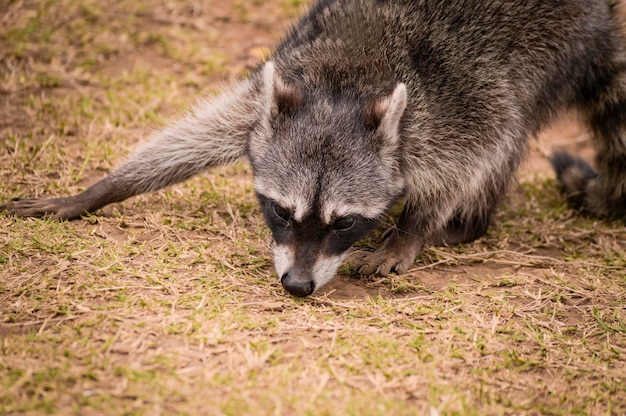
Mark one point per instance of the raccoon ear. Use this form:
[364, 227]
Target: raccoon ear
[280, 97]
[385, 114]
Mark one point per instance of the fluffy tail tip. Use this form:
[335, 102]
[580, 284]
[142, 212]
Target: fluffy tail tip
[573, 174]
[563, 162]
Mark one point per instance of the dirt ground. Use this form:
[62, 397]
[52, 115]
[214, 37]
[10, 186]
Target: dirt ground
[167, 303]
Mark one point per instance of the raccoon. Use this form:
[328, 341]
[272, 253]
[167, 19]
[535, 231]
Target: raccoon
[367, 103]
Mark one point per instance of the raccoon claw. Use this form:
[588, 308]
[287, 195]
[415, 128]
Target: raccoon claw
[381, 264]
[392, 257]
[55, 208]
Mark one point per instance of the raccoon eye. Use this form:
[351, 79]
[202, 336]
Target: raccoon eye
[282, 213]
[345, 223]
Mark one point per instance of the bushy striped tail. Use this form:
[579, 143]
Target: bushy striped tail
[574, 176]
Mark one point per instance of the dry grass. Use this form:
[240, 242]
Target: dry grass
[167, 304]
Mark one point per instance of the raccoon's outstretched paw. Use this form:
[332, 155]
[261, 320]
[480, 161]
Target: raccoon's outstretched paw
[55, 208]
[397, 255]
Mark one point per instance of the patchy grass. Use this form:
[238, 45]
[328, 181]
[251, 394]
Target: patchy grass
[167, 303]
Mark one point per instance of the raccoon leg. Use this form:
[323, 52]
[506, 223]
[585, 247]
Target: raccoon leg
[214, 133]
[601, 193]
[404, 242]
[460, 230]
[401, 245]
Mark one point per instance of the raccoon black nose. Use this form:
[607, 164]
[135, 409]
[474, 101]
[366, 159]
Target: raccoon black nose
[296, 287]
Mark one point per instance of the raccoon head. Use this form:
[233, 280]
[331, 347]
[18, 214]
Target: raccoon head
[326, 170]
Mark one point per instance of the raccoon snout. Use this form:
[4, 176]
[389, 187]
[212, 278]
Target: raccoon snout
[297, 287]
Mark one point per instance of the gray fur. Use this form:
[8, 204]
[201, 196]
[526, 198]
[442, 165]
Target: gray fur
[365, 102]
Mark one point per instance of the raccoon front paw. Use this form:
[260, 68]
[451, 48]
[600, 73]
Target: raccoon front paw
[55, 208]
[396, 255]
